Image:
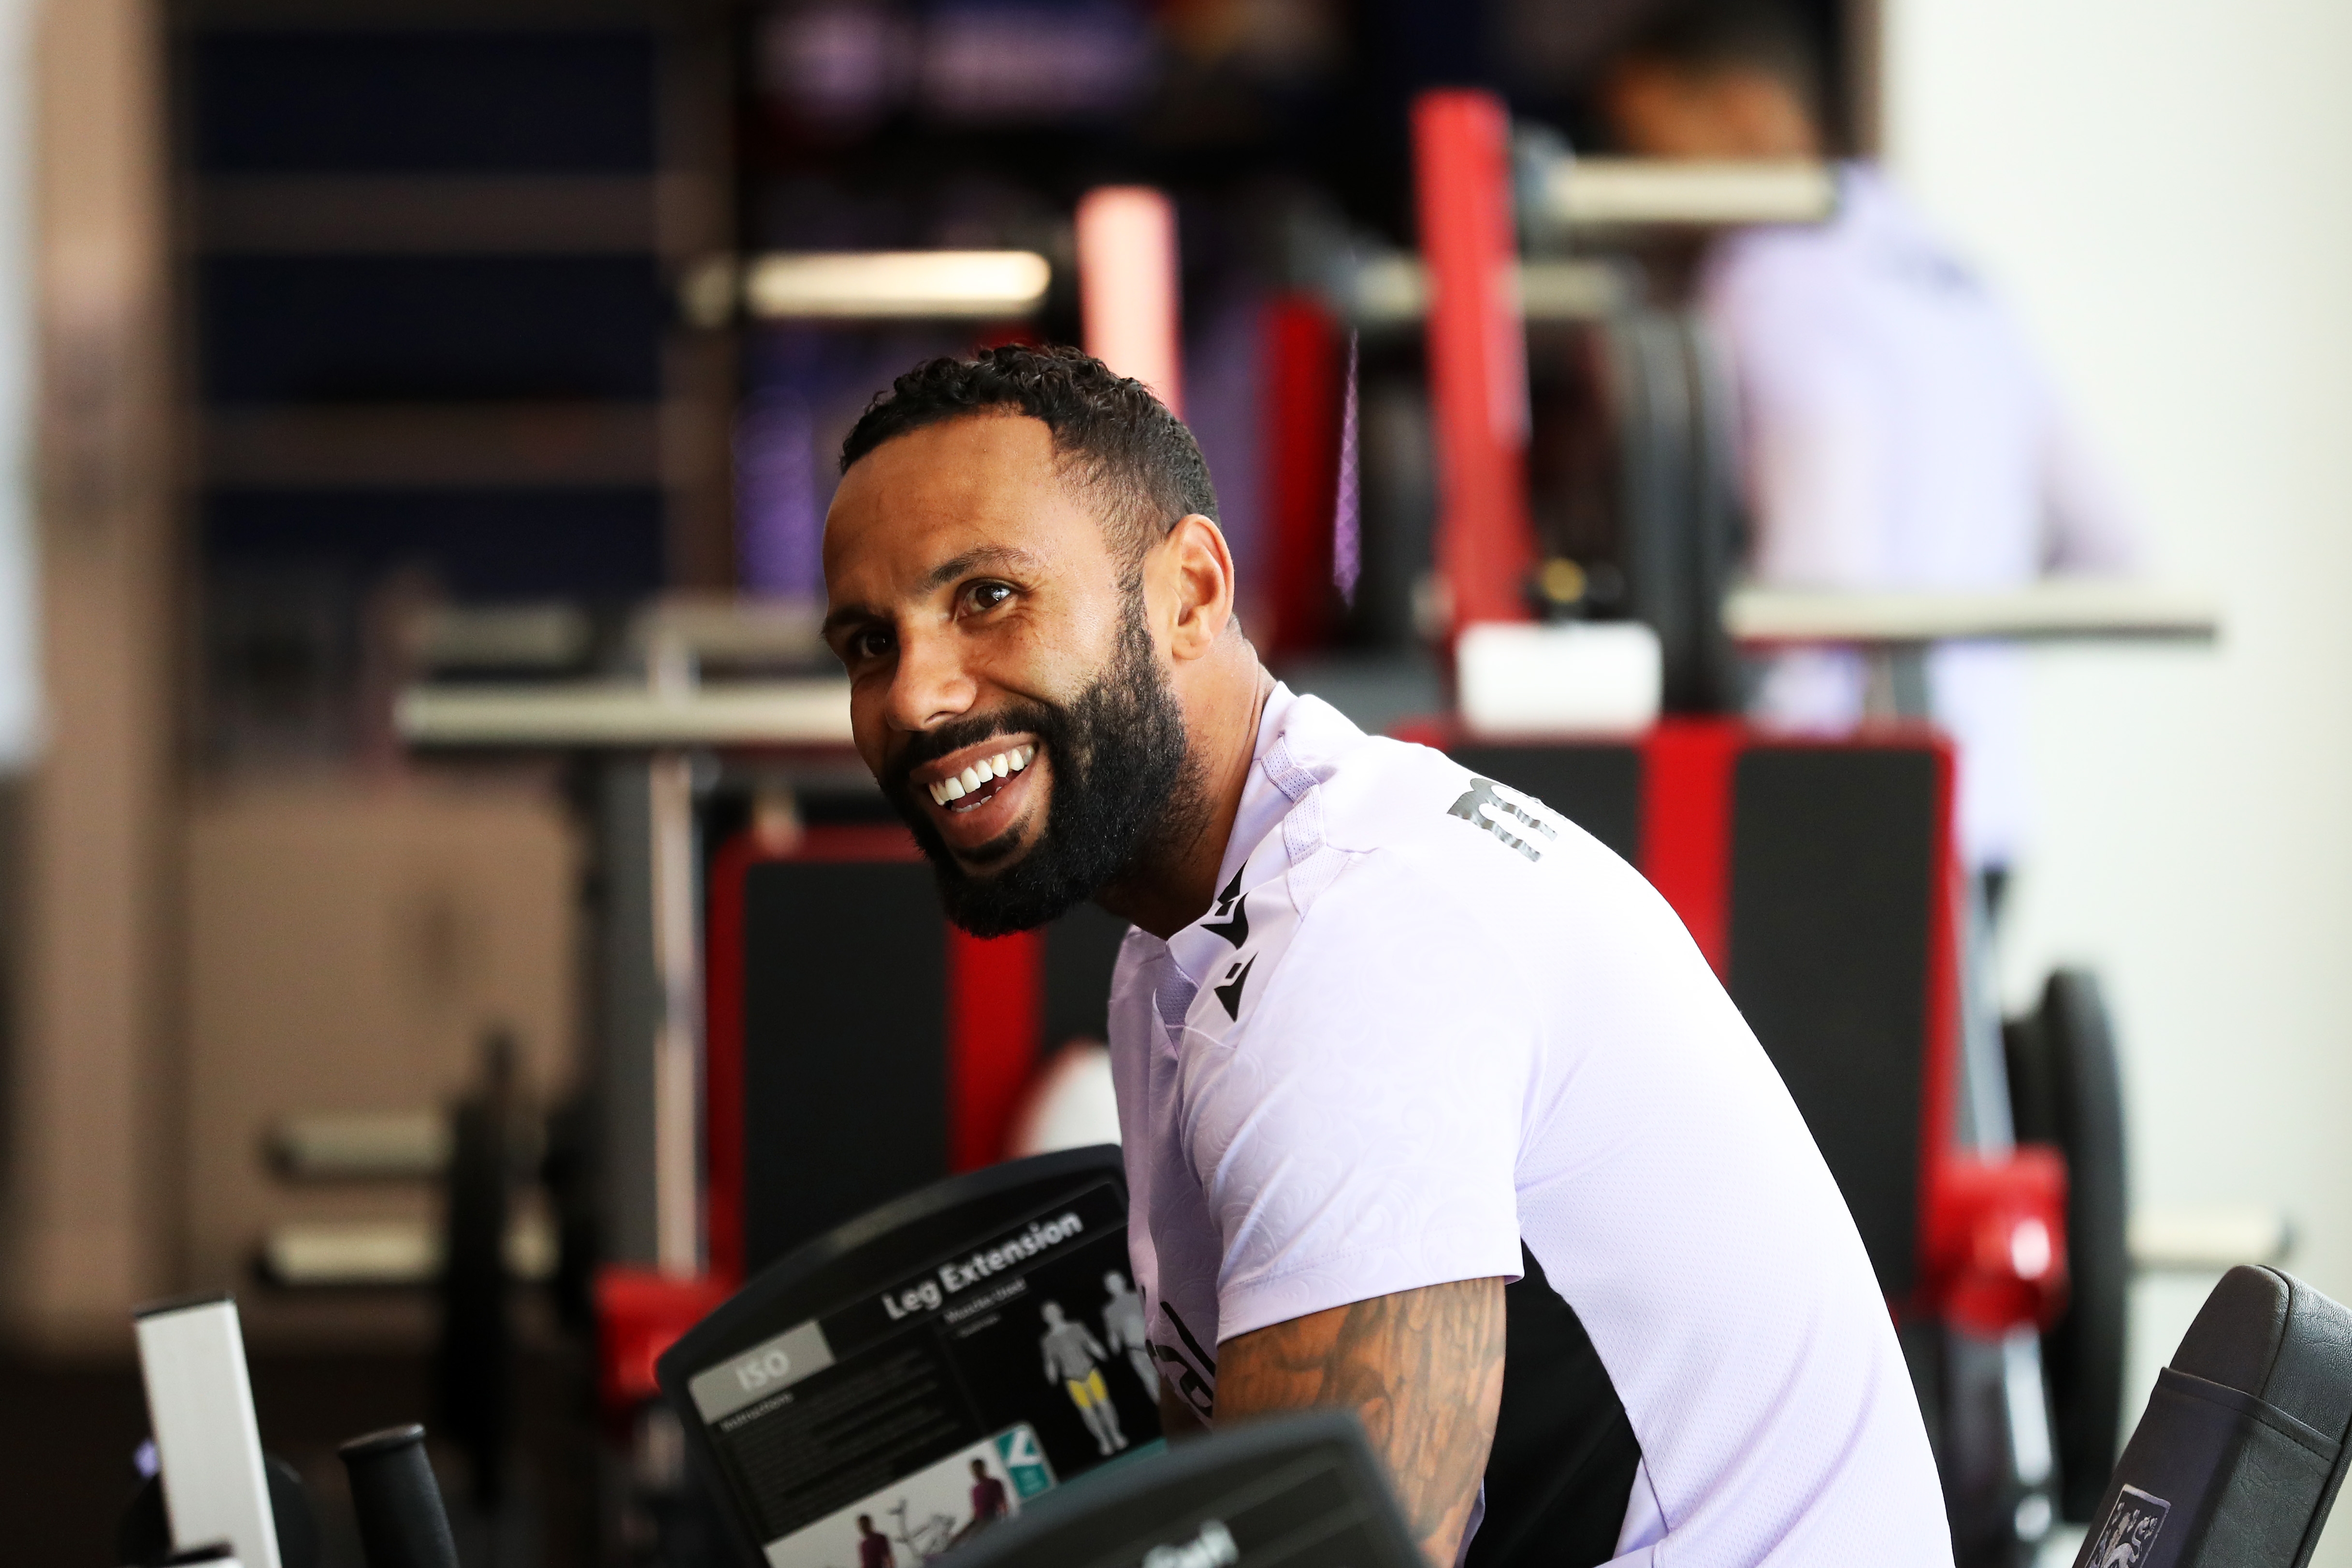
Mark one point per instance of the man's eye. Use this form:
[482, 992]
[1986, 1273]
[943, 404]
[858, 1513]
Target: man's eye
[989, 595]
[869, 645]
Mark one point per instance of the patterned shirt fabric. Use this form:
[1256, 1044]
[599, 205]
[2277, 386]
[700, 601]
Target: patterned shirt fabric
[1426, 1019]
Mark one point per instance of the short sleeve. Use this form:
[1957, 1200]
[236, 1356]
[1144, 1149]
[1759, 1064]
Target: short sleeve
[1359, 1136]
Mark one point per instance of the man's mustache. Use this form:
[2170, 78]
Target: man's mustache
[934, 744]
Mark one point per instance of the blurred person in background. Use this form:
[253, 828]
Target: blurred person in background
[1897, 430]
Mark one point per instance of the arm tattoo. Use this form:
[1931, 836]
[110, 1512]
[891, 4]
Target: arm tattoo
[1423, 1371]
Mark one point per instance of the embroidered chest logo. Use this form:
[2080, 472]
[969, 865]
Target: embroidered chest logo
[2130, 1532]
[1229, 993]
[1233, 913]
[1514, 818]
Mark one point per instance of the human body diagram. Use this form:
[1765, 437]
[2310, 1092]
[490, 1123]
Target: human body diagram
[1122, 1317]
[1073, 1357]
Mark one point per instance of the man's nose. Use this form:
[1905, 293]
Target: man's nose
[930, 685]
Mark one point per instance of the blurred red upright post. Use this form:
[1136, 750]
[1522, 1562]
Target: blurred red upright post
[1303, 367]
[1477, 352]
[1130, 292]
[995, 1015]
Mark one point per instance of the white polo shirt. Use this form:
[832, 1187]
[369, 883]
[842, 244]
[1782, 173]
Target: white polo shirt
[1429, 1020]
[1898, 431]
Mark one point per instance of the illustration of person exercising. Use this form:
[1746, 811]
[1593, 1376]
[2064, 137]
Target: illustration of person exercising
[1123, 1328]
[988, 1499]
[873, 1546]
[1075, 1356]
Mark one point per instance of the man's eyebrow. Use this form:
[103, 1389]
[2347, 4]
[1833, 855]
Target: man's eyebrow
[1003, 556]
[848, 615]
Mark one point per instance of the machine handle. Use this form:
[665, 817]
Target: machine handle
[403, 1523]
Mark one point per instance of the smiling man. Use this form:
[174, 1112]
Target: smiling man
[1430, 1108]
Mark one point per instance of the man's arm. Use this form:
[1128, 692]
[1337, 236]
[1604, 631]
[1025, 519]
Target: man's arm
[1423, 1371]
[1179, 1422]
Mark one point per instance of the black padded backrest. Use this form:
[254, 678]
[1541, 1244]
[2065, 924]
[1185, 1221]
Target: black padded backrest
[1835, 859]
[2238, 1459]
[2269, 1334]
[1833, 868]
[1598, 788]
[1080, 949]
[845, 1058]
[2235, 1338]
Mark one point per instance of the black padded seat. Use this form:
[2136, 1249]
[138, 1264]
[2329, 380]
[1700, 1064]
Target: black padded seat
[2240, 1455]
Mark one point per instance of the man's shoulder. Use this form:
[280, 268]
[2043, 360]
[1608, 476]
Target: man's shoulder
[1413, 815]
[1359, 791]
[1399, 843]
[1392, 858]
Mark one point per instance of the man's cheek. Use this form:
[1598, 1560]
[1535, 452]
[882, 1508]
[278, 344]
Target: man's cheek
[868, 733]
[1041, 793]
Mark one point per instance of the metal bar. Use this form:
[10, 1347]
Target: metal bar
[2046, 611]
[592, 714]
[389, 1252]
[628, 1015]
[362, 1145]
[2209, 1238]
[723, 629]
[1393, 291]
[678, 1042]
[1655, 192]
[933, 285]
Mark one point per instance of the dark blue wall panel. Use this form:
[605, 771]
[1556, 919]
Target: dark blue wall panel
[485, 544]
[419, 102]
[281, 328]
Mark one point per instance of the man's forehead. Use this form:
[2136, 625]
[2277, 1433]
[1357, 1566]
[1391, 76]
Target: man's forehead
[934, 495]
[974, 461]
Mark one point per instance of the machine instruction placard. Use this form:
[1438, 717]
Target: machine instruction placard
[894, 1425]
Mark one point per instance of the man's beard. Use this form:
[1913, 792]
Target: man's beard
[1124, 786]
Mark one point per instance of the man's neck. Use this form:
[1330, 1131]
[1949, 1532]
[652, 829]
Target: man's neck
[1177, 885]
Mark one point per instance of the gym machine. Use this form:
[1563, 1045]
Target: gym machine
[1974, 1240]
[942, 1361]
[874, 1387]
[730, 688]
[214, 1496]
[1590, 482]
[878, 1383]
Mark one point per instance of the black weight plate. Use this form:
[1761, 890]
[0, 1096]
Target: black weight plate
[1649, 397]
[1716, 525]
[2065, 1089]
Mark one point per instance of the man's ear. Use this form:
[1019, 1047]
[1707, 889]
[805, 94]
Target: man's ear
[1195, 567]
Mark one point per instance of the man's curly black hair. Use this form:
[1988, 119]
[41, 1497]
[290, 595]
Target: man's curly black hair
[1129, 448]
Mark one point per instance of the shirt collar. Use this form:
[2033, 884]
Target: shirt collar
[1263, 805]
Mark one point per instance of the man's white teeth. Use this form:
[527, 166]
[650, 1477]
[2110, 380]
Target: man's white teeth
[1003, 764]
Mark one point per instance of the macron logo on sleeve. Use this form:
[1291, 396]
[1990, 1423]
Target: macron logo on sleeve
[1229, 993]
[1232, 912]
[1514, 818]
